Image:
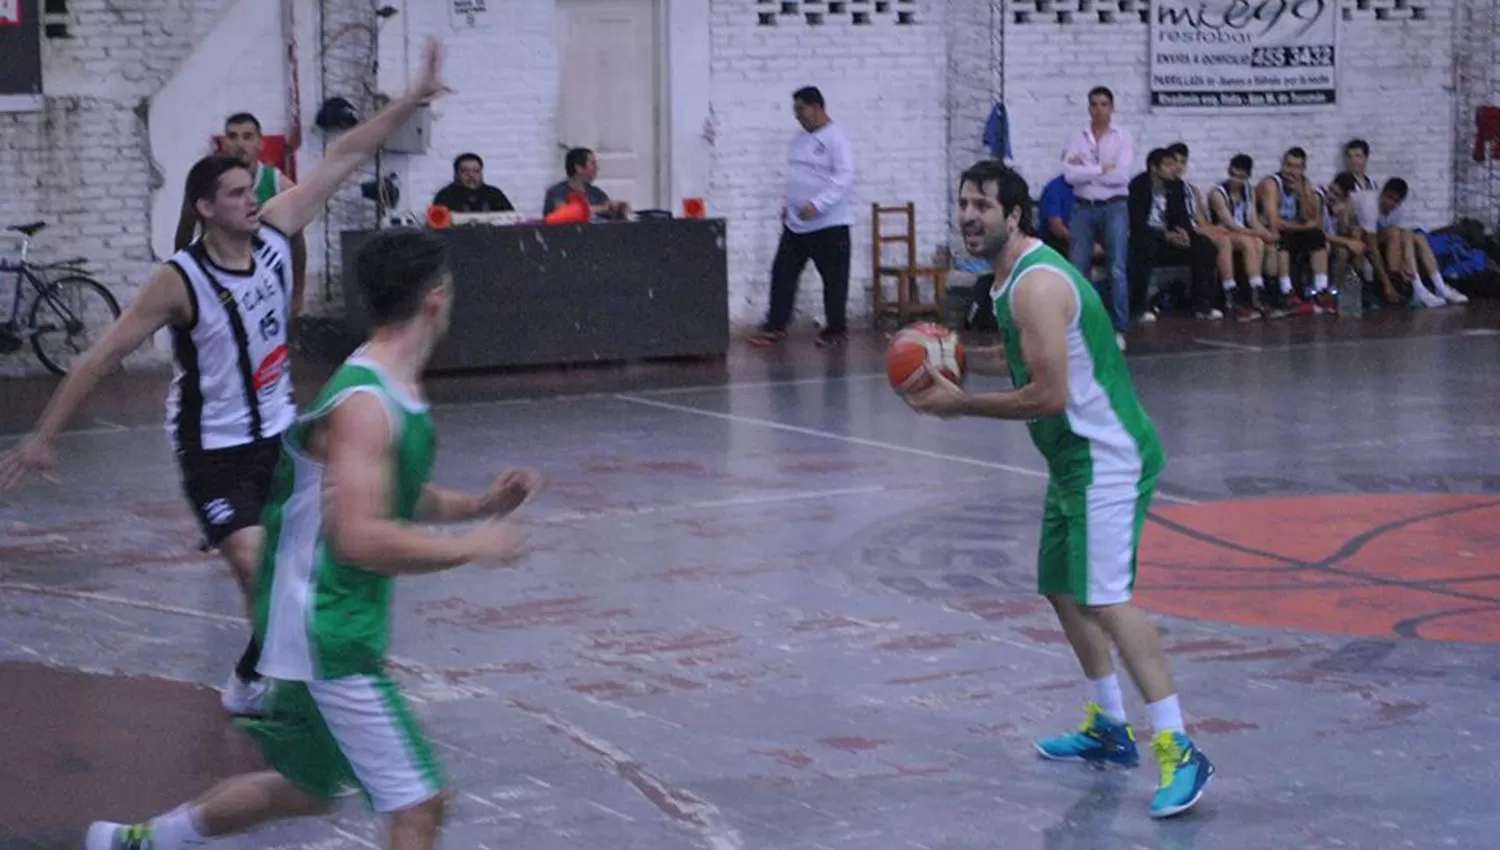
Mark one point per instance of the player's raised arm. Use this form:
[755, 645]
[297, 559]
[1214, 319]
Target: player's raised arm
[291, 210]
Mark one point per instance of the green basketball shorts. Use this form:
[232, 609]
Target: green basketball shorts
[335, 737]
[1089, 540]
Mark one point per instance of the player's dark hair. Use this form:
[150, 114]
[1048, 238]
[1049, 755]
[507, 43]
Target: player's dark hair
[1104, 90]
[1396, 188]
[1358, 145]
[576, 159]
[1154, 158]
[1178, 149]
[466, 157]
[203, 178]
[242, 118]
[396, 268]
[809, 95]
[1295, 153]
[1345, 181]
[1010, 189]
[1242, 162]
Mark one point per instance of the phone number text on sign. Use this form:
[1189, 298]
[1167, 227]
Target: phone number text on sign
[1243, 53]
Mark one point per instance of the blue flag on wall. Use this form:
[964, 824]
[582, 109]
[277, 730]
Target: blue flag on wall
[997, 133]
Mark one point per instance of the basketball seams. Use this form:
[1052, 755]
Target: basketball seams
[919, 351]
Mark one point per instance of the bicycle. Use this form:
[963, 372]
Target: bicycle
[72, 301]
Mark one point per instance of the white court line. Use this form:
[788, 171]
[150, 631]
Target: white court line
[355, 838]
[679, 390]
[1219, 343]
[422, 671]
[1473, 333]
[734, 502]
[158, 607]
[748, 385]
[861, 441]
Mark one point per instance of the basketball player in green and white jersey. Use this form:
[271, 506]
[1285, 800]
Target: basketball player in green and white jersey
[353, 475]
[244, 141]
[1073, 389]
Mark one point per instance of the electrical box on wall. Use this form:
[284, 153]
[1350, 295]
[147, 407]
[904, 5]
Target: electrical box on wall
[413, 136]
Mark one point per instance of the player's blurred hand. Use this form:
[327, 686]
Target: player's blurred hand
[510, 491]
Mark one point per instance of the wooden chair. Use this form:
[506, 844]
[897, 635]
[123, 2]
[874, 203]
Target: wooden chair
[908, 275]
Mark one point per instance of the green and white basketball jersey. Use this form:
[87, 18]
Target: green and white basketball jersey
[1104, 436]
[269, 182]
[319, 616]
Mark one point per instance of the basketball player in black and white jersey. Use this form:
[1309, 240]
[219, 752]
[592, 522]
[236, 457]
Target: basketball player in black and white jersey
[1291, 208]
[1226, 245]
[1231, 207]
[227, 299]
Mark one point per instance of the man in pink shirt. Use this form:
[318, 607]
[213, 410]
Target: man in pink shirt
[1097, 163]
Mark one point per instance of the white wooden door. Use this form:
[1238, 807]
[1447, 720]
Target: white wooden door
[608, 92]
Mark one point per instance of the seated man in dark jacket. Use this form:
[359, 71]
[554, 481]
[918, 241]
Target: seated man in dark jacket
[1162, 234]
[468, 193]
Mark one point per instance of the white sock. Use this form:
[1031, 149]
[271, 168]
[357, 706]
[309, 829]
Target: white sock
[1229, 285]
[1166, 715]
[1437, 282]
[1257, 282]
[1320, 282]
[175, 830]
[1107, 694]
[1286, 284]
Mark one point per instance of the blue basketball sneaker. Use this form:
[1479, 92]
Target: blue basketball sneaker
[1185, 772]
[1100, 741]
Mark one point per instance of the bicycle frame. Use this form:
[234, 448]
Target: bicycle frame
[26, 272]
[22, 270]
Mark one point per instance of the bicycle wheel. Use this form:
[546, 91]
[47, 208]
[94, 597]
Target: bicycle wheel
[67, 318]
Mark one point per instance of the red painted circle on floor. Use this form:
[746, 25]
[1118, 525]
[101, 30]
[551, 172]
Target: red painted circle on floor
[1413, 566]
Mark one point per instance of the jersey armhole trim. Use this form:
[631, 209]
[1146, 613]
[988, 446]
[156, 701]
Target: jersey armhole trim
[192, 297]
[276, 230]
[1072, 288]
[320, 413]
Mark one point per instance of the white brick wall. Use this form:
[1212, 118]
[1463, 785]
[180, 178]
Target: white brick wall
[505, 81]
[885, 83]
[1394, 92]
[82, 163]
[1477, 48]
[913, 98]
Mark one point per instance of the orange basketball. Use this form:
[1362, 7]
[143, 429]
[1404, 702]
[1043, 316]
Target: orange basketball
[918, 351]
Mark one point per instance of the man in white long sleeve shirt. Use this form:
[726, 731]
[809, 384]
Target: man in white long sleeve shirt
[816, 219]
[1097, 163]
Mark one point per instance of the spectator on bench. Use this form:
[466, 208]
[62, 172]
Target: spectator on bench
[1231, 206]
[1162, 234]
[1406, 252]
[1293, 211]
[468, 193]
[582, 167]
[1346, 239]
[1224, 245]
[1054, 210]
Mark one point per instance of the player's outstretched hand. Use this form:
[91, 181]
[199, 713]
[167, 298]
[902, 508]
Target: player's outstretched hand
[30, 456]
[430, 85]
[495, 542]
[510, 491]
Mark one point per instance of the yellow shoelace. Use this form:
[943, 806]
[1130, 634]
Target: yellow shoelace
[1169, 755]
